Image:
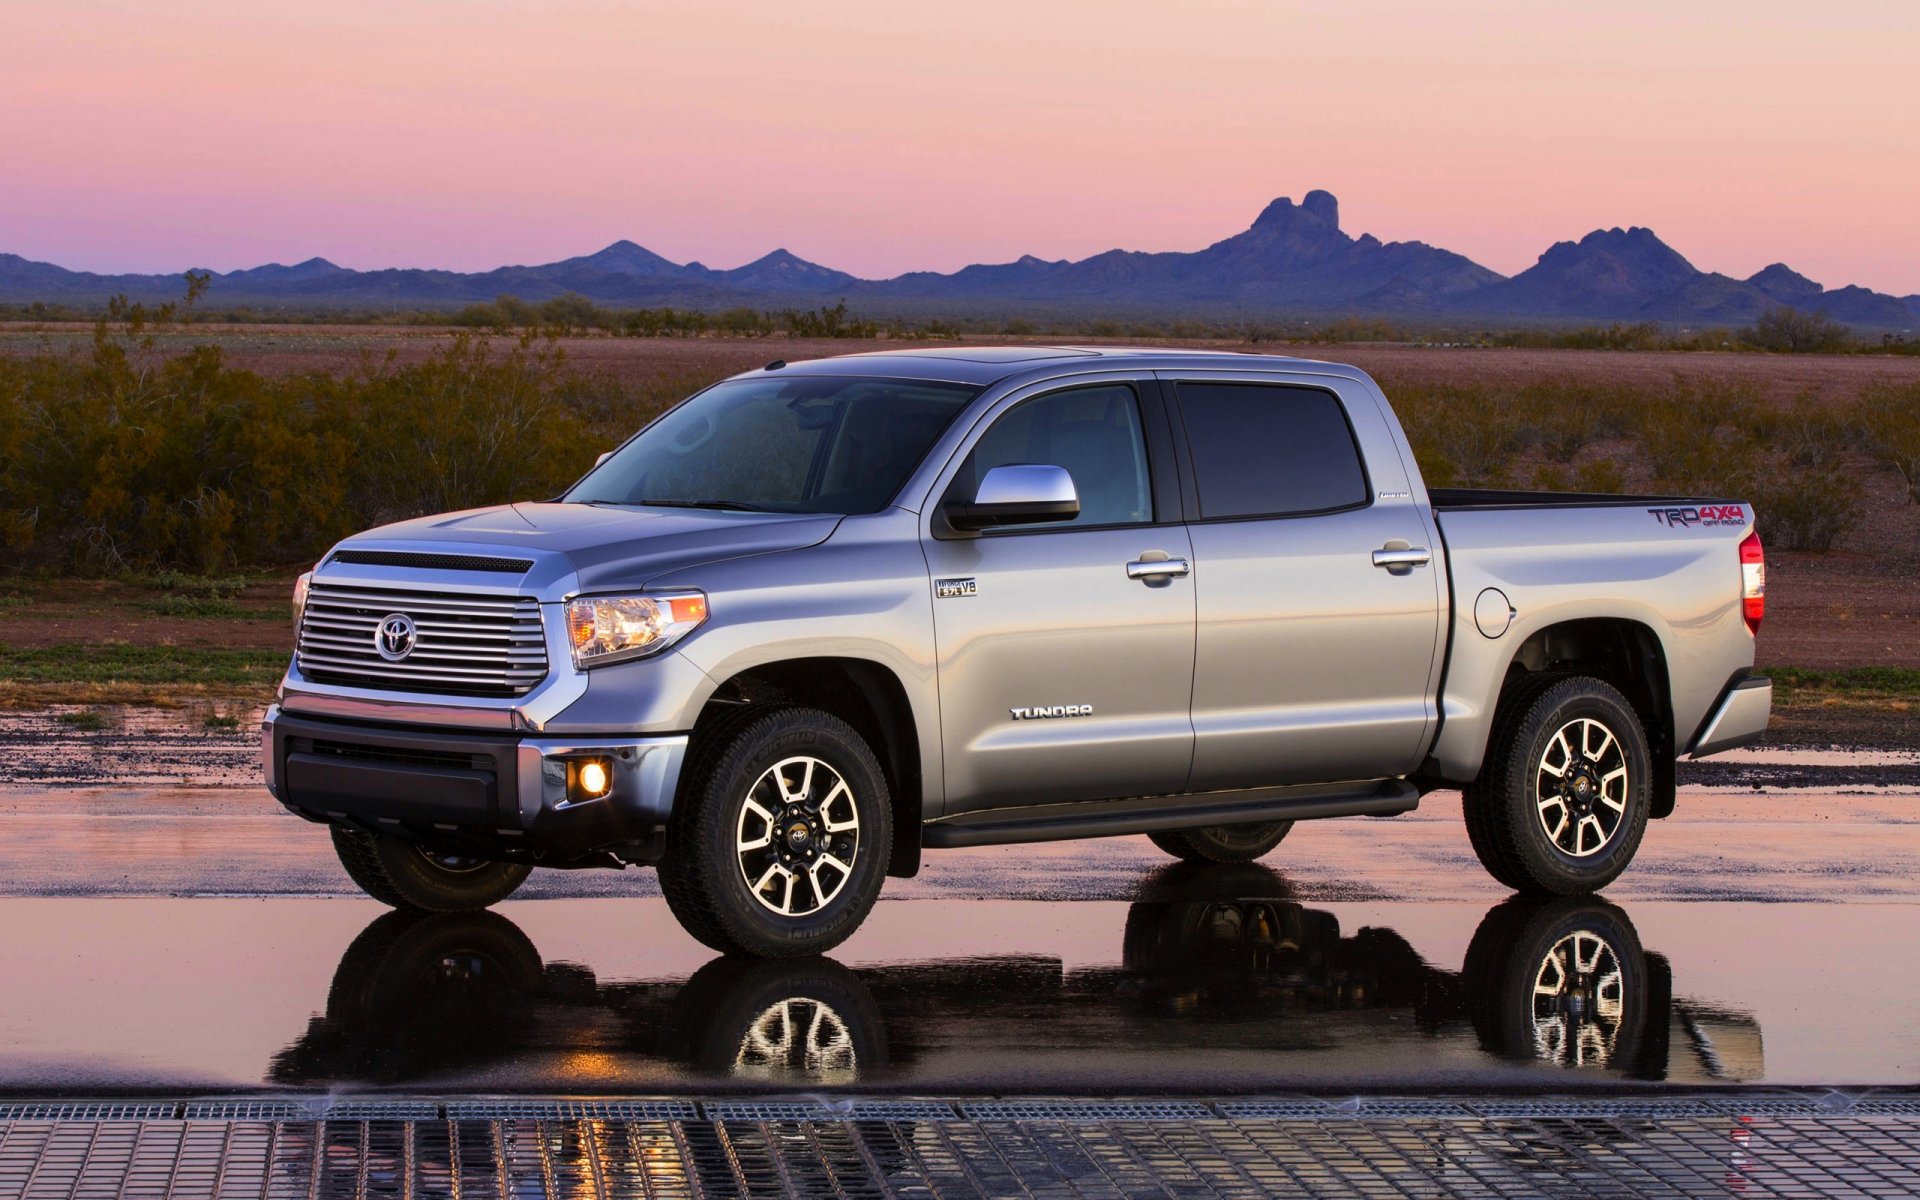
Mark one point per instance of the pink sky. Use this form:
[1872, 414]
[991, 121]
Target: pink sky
[885, 136]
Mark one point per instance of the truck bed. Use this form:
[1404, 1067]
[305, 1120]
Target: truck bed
[1469, 499]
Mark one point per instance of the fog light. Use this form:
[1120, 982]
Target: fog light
[589, 778]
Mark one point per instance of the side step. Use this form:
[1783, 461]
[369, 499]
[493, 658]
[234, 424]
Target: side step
[1154, 814]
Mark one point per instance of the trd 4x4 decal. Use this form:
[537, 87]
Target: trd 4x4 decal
[1705, 514]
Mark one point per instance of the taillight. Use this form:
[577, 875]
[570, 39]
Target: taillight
[1753, 581]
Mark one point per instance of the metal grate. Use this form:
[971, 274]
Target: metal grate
[1348, 1151]
[435, 562]
[829, 1110]
[615, 1158]
[581, 1110]
[464, 644]
[1076, 1110]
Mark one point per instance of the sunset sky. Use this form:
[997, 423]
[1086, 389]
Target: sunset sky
[885, 136]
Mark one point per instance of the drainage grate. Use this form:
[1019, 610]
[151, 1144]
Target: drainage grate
[877, 1149]
[88, 1111]
[378, 1110]
[253, 1110]
[578, 1110]
[1554, 1107]
[828, 1110]
[1075, 1110]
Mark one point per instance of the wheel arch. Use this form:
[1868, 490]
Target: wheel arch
[1623, 653]
[867, 695]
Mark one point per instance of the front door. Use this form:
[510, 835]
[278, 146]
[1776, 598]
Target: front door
[1062, 675]
[1313, 662]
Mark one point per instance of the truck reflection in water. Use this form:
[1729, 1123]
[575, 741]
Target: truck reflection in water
[1213, 958]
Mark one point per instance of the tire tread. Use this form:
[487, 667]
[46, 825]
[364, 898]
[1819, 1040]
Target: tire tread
[1492, 826]
[688, 877]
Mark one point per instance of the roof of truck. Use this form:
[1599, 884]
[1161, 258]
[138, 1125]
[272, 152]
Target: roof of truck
[987, 365]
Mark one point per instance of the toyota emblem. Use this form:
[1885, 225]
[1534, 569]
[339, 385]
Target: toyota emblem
[394, 637]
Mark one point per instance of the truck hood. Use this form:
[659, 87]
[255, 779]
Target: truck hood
[611, 547]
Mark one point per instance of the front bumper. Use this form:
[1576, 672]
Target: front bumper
[493, 794]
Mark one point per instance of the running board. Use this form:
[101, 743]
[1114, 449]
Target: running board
[1156, 814]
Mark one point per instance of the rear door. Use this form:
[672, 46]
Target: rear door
[1062, 677]
[1313, 663]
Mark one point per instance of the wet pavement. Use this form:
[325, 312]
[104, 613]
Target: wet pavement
[183, 941]
[190, 939]
[1365, 1013]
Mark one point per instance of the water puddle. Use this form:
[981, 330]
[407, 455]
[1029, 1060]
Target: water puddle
[1210, 980]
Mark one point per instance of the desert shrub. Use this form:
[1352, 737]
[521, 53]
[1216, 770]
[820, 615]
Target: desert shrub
[481, 316]
[1889, 416]
[1699, 436]
[122, 458]
[1808, 433]
[1563, 416]
[1808, 507]
[1593, 475]
[1789, 331]
[1462, 436]
[574, 313]
[825, 322]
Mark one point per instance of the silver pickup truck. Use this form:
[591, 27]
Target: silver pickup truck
[823, 615]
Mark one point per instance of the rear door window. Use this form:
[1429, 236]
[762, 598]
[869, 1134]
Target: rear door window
[1263, 450]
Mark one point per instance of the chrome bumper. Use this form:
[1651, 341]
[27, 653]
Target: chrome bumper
[1739, 720]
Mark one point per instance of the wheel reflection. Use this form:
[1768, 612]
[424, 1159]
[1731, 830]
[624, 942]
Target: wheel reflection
[1212, 958]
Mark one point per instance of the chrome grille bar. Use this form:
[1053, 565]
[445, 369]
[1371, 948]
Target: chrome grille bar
[465, 644]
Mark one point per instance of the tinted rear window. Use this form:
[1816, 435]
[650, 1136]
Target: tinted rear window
[1263, 451]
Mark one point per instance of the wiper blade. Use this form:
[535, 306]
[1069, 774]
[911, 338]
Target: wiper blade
[729, 505]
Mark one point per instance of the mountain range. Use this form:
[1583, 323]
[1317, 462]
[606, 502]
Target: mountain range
[1293, 260]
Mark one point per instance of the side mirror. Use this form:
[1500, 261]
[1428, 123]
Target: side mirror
[604, 456]
[1018, 494]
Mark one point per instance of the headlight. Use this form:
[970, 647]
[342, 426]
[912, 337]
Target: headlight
[300, 587]
[610, 629]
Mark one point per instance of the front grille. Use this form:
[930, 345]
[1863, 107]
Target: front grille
[466, 645]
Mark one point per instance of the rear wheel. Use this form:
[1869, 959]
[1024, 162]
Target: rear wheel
[408, 876]
[1223, 843]
[1562, 802]
[778, 843]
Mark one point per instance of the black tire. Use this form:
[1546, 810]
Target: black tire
[1508, 810]
[1223, 843]
[405, 875]
[1562, 980]
[704, 872]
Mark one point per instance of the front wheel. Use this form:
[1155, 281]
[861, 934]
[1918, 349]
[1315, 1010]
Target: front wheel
[778, 843]
[1223, 843]
[410, 877]
[1562, 803]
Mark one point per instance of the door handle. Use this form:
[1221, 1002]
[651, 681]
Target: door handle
[1417, 556]
[1157, 568]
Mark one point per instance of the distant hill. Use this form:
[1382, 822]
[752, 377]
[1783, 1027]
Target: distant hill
[1294, 259]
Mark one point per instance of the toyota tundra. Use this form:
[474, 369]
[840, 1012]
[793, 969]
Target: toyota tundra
[822, 616]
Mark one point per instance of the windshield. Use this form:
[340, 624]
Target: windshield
[803, 444]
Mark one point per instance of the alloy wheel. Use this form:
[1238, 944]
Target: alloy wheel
[797, 836]
[1581, 787]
